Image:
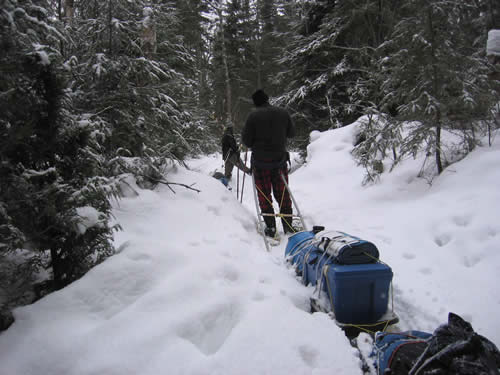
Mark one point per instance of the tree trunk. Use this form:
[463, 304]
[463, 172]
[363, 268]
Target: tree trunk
[69, 11]
[110, 18]
[258, 48]
[58, 269]
[148, 34]
[439, 163]
[437, 145]
[226, 68]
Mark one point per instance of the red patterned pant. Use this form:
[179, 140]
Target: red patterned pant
[267, 181]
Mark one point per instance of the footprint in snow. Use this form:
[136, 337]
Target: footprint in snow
[470, 261]
[409, 256]
[215, 210]
[425, 271]
[264, 280]
[442, 239]
[209, 331]
[259, 296]
[139, 256]
[308, 355]
[229, 273]
[209, 241]
[461, 221]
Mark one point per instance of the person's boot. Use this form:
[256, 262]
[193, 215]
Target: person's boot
[270, 230]
[287, 222]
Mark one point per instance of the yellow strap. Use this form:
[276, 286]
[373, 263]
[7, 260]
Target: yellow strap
[267, 199]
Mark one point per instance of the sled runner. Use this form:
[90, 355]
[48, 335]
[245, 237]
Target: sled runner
[223, 179]
[351, 284]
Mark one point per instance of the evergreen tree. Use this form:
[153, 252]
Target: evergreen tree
[232, 61]
[435, 72]
[249, 34]
[128, 78]
[54, 212]
[329, 63]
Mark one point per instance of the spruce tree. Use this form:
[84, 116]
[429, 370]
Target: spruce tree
[435, 74]
[328, 65]
[129, 76]
[54, 212]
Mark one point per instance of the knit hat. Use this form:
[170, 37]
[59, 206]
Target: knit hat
[260, 98]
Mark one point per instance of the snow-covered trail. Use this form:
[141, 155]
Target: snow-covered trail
[441, 240]
[191, 292]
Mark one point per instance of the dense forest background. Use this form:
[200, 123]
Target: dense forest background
[92, 92]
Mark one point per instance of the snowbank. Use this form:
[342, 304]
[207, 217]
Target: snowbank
[493, 44]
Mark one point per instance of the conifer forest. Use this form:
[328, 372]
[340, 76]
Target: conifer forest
[94, 91]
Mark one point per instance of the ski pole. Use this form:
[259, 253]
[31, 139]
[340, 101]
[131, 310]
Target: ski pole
[244, 175]
[238, 180]
[225, 160]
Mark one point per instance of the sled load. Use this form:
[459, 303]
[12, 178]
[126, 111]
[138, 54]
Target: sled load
[351, 283]
[222, 178]
[453, 348]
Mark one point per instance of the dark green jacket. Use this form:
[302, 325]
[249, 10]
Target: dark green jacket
[266, 131]
[229, 145]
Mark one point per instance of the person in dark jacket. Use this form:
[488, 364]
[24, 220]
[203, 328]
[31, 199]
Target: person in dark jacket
[266, 131]
[230, 153]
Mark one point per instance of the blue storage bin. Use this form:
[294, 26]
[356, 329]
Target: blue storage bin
[358, 293]
[311, 273]
[297, 247]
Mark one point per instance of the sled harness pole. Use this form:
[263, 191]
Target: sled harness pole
[294, 202]
[280, 215]
[260, 223]
[261, 215]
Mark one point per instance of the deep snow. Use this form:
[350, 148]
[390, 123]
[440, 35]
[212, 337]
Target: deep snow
[193, 291]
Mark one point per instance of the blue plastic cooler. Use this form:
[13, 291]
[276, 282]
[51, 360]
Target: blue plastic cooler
[298, 245]
[358, 293]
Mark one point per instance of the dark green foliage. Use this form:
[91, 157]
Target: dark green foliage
[132, 87]
[329, 65]
[48, 164]
[435, 73]
[253, 44]
[405, 61]
[378, 139]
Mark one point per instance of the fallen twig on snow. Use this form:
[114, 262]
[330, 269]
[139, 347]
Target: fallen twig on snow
[159, 181]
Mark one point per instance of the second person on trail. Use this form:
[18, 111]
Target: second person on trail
[231, 154]
[266, 131]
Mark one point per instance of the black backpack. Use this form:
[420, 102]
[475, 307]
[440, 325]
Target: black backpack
[453, 349]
